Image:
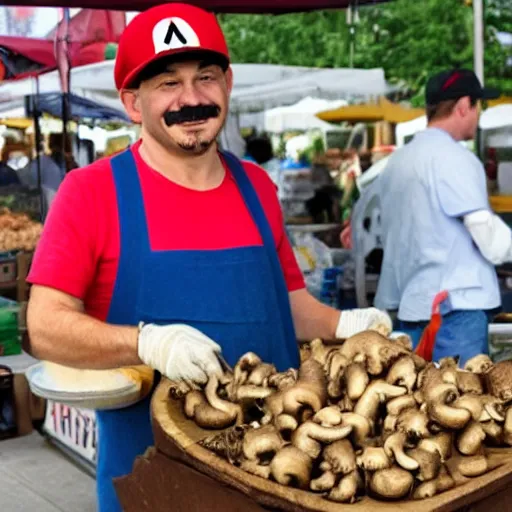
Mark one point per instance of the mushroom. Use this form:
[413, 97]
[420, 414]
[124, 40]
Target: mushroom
[402, 339]
[252, 467]
[243, 368]
[473, 466]
[291, 467]
[429, 463]
[507, 428]
[493, 433]
[335, 368]
[378, 391]
[249, 392]
[471, 403]
[347, 489]
[197, 408]
[395, 448]
[227, 443]
[403, 373]
[323, 483]
[443, 482]
[414, 423]
[471, 438]
[260, 375]
[309, 393]
[309, 435]
[356, 380]
[361, 427]
[286, 425]
[498, 380]
[446, 415]
[178, 389]
[389, 425]
[273, 407]
[479, 364]
[440, 443]
[262, 444]
[346, 405]
[320, 352]
[284, 380]
[340, 456]
[425, 490]
[378, 352]
[392, 483]
[373, 458]
[468, 382]
[493, 409]
[399, 404]
[222, 405]
[328, 416]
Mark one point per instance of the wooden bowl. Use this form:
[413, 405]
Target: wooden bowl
[173, 429]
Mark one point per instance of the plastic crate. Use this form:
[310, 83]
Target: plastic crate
[10, 341]
[7, 268]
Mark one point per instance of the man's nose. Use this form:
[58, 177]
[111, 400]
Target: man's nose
[189, 96]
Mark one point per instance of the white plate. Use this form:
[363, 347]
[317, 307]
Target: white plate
[123, 394]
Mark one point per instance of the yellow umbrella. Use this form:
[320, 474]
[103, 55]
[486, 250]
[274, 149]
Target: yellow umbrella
[384, 110]
[500, 101]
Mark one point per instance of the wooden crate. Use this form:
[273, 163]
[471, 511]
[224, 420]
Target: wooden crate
[180, 475]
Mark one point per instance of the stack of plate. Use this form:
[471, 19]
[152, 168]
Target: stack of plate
[121, 392]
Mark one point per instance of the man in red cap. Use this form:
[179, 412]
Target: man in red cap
[171, 252]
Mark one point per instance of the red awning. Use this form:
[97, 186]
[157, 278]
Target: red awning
[241, 6]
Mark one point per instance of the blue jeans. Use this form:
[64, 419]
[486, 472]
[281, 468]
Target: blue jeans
[463, 333]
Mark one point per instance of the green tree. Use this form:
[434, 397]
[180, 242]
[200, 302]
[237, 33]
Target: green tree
[410, 39]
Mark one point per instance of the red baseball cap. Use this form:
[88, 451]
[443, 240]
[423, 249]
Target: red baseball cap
[164, 30]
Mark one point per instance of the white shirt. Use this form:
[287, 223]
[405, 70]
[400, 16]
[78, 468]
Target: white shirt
[426, 190]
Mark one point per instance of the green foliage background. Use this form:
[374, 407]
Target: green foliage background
[410, 39]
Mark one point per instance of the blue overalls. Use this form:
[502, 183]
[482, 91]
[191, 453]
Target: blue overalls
[237, 297]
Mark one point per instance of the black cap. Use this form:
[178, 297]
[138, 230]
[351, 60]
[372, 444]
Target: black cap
[454, 84]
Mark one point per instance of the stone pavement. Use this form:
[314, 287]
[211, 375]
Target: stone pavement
[35, 476]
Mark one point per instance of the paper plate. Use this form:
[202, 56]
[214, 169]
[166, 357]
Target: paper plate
[121, 392]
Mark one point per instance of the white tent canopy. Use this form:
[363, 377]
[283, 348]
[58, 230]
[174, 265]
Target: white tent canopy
[301, 116]
[496, 117]
[257, 87]
[330, 84]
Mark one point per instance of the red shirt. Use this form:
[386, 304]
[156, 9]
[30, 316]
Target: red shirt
[79, 249]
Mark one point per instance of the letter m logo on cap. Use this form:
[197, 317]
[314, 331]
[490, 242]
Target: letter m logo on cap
[174, 33]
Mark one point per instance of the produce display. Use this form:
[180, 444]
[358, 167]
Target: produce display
[18, 231]
[364, 416]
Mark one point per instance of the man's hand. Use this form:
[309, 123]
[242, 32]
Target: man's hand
[179, 352]
[354, 321]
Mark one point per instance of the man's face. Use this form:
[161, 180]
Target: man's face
[468, 115]
[473, 117]
[185, 107]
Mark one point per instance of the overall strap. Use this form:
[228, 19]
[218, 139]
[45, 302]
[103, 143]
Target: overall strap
[134, 237]
[256, 210]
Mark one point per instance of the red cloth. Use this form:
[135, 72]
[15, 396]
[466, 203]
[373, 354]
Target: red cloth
[79, 249]
[427, 343]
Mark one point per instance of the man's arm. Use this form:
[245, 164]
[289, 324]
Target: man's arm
[491, 235]
[311, 318]
[60, 331]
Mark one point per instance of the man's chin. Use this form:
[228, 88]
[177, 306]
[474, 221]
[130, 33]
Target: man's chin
[196, 148]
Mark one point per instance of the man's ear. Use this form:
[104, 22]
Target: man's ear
[463, 106]
[131, 103]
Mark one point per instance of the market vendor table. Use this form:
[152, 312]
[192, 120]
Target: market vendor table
[177, 474]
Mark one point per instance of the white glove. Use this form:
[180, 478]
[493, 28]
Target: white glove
[354, 321]
[179, 352]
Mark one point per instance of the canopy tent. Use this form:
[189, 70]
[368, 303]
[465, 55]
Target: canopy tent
[242, 6]
[300, 117]
[384, 110]
[496, 117]
[330, 84]
[257, 87]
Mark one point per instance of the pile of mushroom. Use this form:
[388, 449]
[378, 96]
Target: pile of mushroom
[362, 416]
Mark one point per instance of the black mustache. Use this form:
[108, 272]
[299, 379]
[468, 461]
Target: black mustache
[191, 114]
